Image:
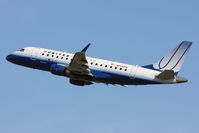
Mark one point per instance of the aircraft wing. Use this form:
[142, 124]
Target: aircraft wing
[79, 64]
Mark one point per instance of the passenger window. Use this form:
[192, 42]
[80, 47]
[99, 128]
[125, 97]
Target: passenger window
[110, 66]
[125, 69]
[96, 64]
[42, 53]
[57, 56]
[105, 65]
[115, 67]
[52, 55]
[53, 52]
[101, 65]
[61, 57]
[91, 63]
[120, 68]
[67, 55]
[47, 54]
[66, 58]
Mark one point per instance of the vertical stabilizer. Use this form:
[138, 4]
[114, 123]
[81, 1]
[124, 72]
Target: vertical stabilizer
[173, 60]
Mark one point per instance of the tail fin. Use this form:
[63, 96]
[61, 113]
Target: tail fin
[173, 60]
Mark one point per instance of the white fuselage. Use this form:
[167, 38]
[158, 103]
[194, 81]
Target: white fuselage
[83, 70]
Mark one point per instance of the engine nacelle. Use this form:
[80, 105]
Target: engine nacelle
[77, 82]
[58, 69]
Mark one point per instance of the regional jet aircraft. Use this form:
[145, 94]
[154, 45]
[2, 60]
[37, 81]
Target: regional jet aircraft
[83, 70]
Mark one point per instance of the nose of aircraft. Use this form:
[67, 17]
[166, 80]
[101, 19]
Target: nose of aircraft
[10, 58]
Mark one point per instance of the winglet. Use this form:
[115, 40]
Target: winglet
[84, 50]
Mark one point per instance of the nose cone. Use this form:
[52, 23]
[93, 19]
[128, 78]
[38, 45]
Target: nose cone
[10, 58]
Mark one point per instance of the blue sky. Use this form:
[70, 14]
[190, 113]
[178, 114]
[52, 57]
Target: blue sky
[129, 31]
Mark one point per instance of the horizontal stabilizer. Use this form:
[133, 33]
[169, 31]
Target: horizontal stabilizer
[166, 74]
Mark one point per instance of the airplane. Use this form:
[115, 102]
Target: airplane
[82, 70]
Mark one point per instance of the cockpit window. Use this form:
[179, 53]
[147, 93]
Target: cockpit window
[22, 50]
